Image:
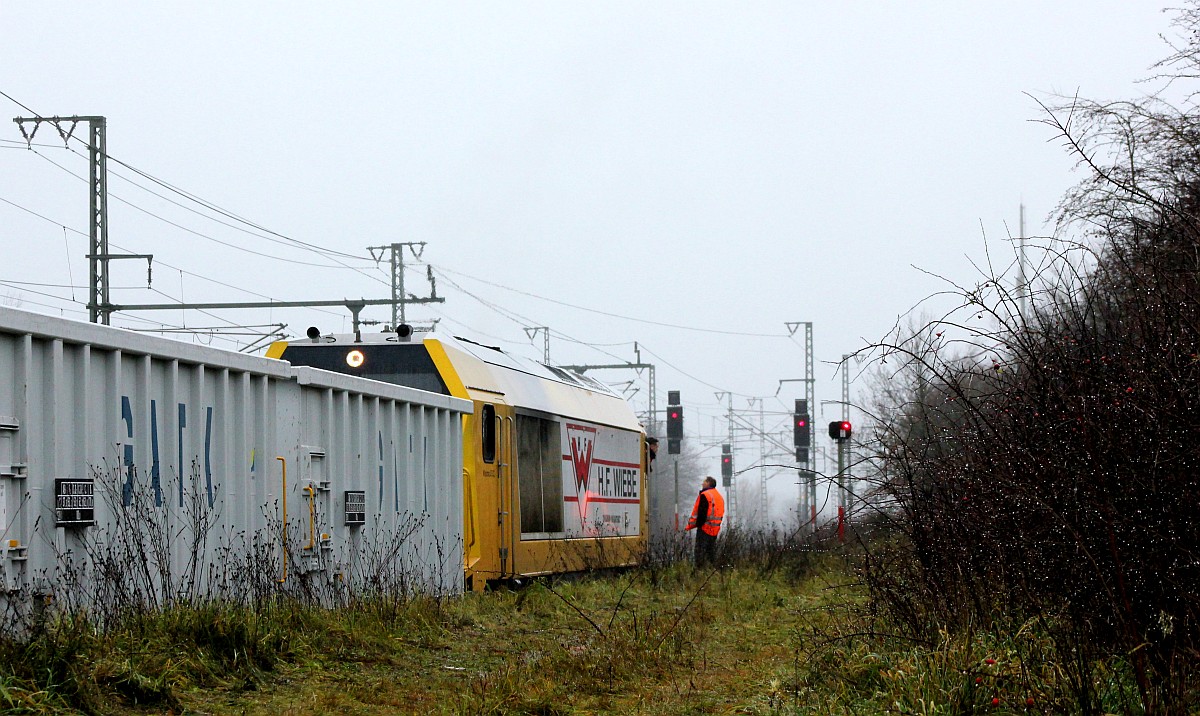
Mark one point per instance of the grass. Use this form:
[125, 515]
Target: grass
[747, 639]
[694, 642]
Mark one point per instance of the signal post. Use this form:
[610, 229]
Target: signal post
[840, 431]
[675, 440]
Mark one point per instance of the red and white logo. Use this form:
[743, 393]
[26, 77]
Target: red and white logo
[582, 441]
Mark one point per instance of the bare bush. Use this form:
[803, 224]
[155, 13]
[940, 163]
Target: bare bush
[1044, 462]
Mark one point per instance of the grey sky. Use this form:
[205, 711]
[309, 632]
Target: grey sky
[731, 166]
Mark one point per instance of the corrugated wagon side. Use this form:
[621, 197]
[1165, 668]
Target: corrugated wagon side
[137, 471]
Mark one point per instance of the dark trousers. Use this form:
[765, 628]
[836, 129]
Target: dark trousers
[706, 548]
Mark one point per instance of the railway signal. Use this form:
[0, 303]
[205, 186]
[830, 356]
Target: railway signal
[726, 465]
[802, 423]
[674, 422]
[840, 430]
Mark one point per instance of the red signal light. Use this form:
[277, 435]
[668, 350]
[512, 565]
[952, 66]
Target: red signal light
[803, 433]
[674, 428]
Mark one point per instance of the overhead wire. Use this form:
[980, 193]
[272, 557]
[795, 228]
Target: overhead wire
[289, 241]
[126, 315]
[219, 332]
[15, 101]
[259, 233]
[182, 305]
[206, 236]
[524, 321]
[223, 212]
[70, 270]
[6, 282]
[521, 320]
[193, 232]
[40, 216]
[194, 197]
[59, 285]
[493, 306]
[689, 375]
[18, 144]
[282, 238]
[22, 301]
[158, 262]
[452, 320]
[11, 284]
[609, 314]
[444, 316]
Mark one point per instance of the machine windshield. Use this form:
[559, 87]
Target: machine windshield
[405, 364]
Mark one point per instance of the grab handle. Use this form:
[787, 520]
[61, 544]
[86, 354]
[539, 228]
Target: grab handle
[312, 516]
[283, 527]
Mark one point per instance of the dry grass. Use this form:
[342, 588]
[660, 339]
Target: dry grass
[694, 642]
[793, 639]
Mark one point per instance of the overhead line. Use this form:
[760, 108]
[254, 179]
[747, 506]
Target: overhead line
[526, 321]
[161, 263]
[209, 205]
[688, 375]
[200, 234]
[661, 324]
[289, 242]
[64, 299]
[207, 313]
[523, 320]
[200, 200]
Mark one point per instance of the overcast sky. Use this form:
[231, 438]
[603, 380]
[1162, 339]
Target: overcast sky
[610, 169]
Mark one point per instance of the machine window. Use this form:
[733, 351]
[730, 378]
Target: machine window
[402, 364]
[487, 424]
[539, 474]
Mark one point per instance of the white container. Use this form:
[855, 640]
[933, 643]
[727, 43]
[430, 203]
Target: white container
[179, 446]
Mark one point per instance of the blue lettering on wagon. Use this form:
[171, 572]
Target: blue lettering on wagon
[127, 486]
[179, 443]
[208, 456]
[155, 468]
[127, 447]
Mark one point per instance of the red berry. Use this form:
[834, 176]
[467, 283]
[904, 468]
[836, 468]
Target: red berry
[1029, 701]
[996, 701]
[989, 661]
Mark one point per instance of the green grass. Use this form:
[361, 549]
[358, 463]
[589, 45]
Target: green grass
[675, 641]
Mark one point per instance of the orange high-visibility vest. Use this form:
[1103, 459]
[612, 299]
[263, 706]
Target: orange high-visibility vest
[716, 511]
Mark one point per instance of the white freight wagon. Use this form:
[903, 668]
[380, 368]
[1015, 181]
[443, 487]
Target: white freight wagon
[137, 470]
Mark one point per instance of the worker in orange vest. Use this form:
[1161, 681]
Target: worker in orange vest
[707, 515]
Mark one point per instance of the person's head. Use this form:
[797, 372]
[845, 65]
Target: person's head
[709, 483]
[652, 445]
